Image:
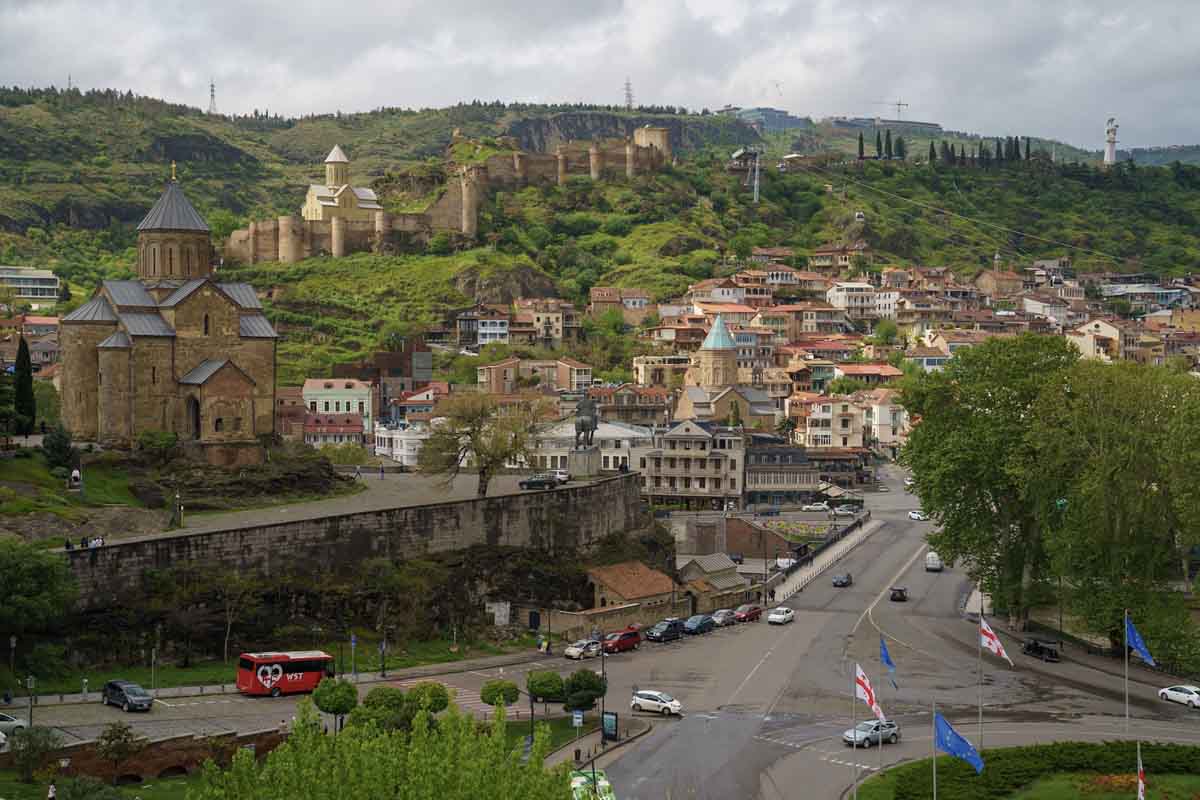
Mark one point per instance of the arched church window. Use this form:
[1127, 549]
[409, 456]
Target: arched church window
[218, 425]
[206, 324]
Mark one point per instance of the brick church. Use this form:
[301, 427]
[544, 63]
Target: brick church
[175, 350]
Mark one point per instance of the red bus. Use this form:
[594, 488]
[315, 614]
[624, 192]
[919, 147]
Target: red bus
[282, 673]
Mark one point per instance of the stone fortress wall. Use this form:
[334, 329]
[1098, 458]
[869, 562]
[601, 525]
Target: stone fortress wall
[570, 517]
[290, 238]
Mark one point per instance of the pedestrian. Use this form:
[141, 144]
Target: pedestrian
[357, 472]
[52, 792]
[83, 542]
[67, 545]
[283, 727]
[381, 472]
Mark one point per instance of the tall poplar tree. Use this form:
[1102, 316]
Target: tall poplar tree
[861, 150]
[887, 143]
[24, 403]
[932, 153]
[1027, 146]
[878, 144]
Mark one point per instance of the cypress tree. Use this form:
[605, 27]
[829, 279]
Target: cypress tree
[878, 144]
[901, 148]
[932, 153]
[887, 143]
[962, 155]
[1026, 148]
[23, 402]
[861, 151]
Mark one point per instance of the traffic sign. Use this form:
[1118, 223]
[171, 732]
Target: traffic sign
[353, 640]
[577, 719]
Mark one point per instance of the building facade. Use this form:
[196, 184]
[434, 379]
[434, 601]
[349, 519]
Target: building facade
[694, 465]
[341, 396]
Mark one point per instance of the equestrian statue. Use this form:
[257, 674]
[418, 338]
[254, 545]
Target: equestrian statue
[586, 422]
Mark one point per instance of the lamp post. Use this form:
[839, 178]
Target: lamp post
[30, 683]
[383, 654]
[12, 654]
[1061, 506]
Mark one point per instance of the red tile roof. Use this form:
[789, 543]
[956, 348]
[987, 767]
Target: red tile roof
[632, 580]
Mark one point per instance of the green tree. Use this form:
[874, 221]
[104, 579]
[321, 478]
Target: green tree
[974, 415]
[497, 693]
[545, 685]
[846, 385]
[886, 332]
[583, 688]
[49, 408]
[861, 151]
[901, 148]
[429, 696]
[887, 143]
[236, 597]
[1106, 439]
[475, 435]
[117, 744]
[336, 696]
[878, 144]
[38, 588]
[387, 708]
[64, 292]
[932, 153]
[31, 749]
[735, 414]
[6, 404]
[449, 761]
[24, 404]
[58, 448]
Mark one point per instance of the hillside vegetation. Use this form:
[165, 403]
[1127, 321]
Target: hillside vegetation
[79, 171]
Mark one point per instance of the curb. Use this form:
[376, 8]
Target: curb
[838, 556]
[617, 746]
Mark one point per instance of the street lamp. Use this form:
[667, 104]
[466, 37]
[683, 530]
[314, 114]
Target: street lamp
[1060, 505]
[383, 654]
[30, 683]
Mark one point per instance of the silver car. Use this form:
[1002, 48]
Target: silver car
[865, 734]
[724, 617]
[10, 724]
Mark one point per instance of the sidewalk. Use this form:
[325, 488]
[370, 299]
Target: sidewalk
[429, 671]
[631, 729]
[827, 558]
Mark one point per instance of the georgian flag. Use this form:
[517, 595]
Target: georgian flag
[991, 642]
[1141, 775]
[864, 692]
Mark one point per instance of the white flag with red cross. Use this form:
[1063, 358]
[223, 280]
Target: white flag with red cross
[864, 692]
[1141, 775]
[991, 642]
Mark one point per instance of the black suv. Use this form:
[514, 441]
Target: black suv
[126, 695]
[666, 631]
[539, 482]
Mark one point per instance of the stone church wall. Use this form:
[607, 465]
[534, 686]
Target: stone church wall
[80, 371]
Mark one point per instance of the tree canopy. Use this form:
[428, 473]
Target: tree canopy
[37, 590]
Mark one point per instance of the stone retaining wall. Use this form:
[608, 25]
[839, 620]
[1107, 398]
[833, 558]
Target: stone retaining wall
[570, 516]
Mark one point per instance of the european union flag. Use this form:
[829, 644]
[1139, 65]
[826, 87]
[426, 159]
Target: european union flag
[886, 659]
[948, 741]
[1134, 640]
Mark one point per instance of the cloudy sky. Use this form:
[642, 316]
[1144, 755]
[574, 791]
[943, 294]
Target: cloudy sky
[1054, 69]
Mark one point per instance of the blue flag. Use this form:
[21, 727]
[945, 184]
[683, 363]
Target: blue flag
[949, 741]
[886, 659]
[1134, 639]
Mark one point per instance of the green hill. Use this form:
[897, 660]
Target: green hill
[77, 172]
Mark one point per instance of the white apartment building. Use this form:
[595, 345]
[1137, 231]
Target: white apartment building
[834, 422]
[492, 330]
[401, 443]
[885, 303]
[854, 298]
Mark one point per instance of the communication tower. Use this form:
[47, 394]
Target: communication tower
[1110, 141]
[212, 97]
[628, 95]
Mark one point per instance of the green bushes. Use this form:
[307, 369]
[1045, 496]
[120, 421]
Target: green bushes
[1008, 770]
[545, 686]
[496, 693]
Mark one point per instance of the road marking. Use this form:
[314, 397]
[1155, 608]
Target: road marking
[746, 680]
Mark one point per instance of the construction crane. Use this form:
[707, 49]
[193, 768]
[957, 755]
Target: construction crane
[899, 105]
[778, 87]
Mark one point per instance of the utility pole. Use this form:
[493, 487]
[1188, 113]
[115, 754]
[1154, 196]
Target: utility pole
[757, 155]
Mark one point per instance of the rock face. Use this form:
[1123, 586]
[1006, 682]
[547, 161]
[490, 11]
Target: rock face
[503, 286]
[543, 134]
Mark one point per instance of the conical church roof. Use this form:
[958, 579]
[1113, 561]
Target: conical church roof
[336, 156]
[173, 212]
[718, 337]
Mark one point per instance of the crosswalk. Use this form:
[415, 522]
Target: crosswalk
[813, 737]
[466, 699]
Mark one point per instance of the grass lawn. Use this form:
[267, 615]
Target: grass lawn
[205, 673]
[26, 486]
[561, 730]
[172, 789]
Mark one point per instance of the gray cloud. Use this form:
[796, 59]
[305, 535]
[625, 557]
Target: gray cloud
[1017, 67]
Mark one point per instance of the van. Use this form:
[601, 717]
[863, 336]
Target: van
[933, 562]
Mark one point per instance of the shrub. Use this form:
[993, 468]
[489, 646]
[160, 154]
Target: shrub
[58, 449]
[431, 697]
[31, 749]
[159, 447]
[60, 472]
[496, 693]
[545, 686]
[577, 223]
[582, 688]
[617, 226]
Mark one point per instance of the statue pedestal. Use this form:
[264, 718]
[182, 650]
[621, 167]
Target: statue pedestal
[584, 462]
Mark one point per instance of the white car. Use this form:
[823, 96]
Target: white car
[657, 702]
[872, 732]
[561, 475]
[1186, 694]
[781, 616]
[584, 648]
[3, 742]
[919, 516]
[822, 507]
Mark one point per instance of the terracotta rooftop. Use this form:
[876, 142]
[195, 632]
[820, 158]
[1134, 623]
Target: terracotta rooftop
[632, 580]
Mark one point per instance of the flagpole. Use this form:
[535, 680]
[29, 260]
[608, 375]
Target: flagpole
[854, 727]
[1126, 638]
[979, 637]
[933, 744]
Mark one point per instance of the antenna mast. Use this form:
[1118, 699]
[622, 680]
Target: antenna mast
[628, 94]
[212, 97]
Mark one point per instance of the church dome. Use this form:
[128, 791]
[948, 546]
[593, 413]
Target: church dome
[718, 337]
[173, 212]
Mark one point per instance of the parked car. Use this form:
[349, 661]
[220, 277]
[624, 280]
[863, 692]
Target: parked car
[591, 784]
[822, 507]
[737, 558]
[698, 624]
[561, 475]
[933, 562]
[918, 515]
[10, 724]
[1187, 694]
[725, 616]
[843, 580]
[126, 695]
[542, 481]
[658, 702]
[1046, 651]
[899, 594]
[622, 641]
[3, 742]
[882, 488]
[845, 511]
[908, 483]
[584, 648]
[865, 734]
[666, 631]
[749, 612]
[781, 616]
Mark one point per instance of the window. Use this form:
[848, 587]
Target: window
[206, 324]
[643, 462]
[154, 374]
[326, 405]
[99, 378]
[337, 405]
[312, 405]
[218, 425]
[361, 407]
